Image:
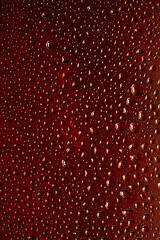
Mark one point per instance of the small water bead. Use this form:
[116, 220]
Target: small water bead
[152, 68]
[122, 164]
[119, 126]
[141, 115]
[109, 205]
[145, 229]
[127, 212]
[135, 89]
[110, 183]
[130, 101]
[126, 177]
[126, 111]
[133, 127]
[146, 217]
[65, 59]
[158, 184]
[67, 163]
[124, 194]
[91, 8]
[45, 14]
[50, 44]
[113, 12]
[88, 232]
[91, 188]
[133, 146]
[100, 214]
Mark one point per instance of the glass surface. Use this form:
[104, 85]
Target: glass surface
[79, 119]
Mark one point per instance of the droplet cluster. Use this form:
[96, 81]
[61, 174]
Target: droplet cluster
[79, 119]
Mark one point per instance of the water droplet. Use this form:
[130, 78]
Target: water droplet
[50, 44]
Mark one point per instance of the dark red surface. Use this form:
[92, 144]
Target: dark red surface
[79, 123]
